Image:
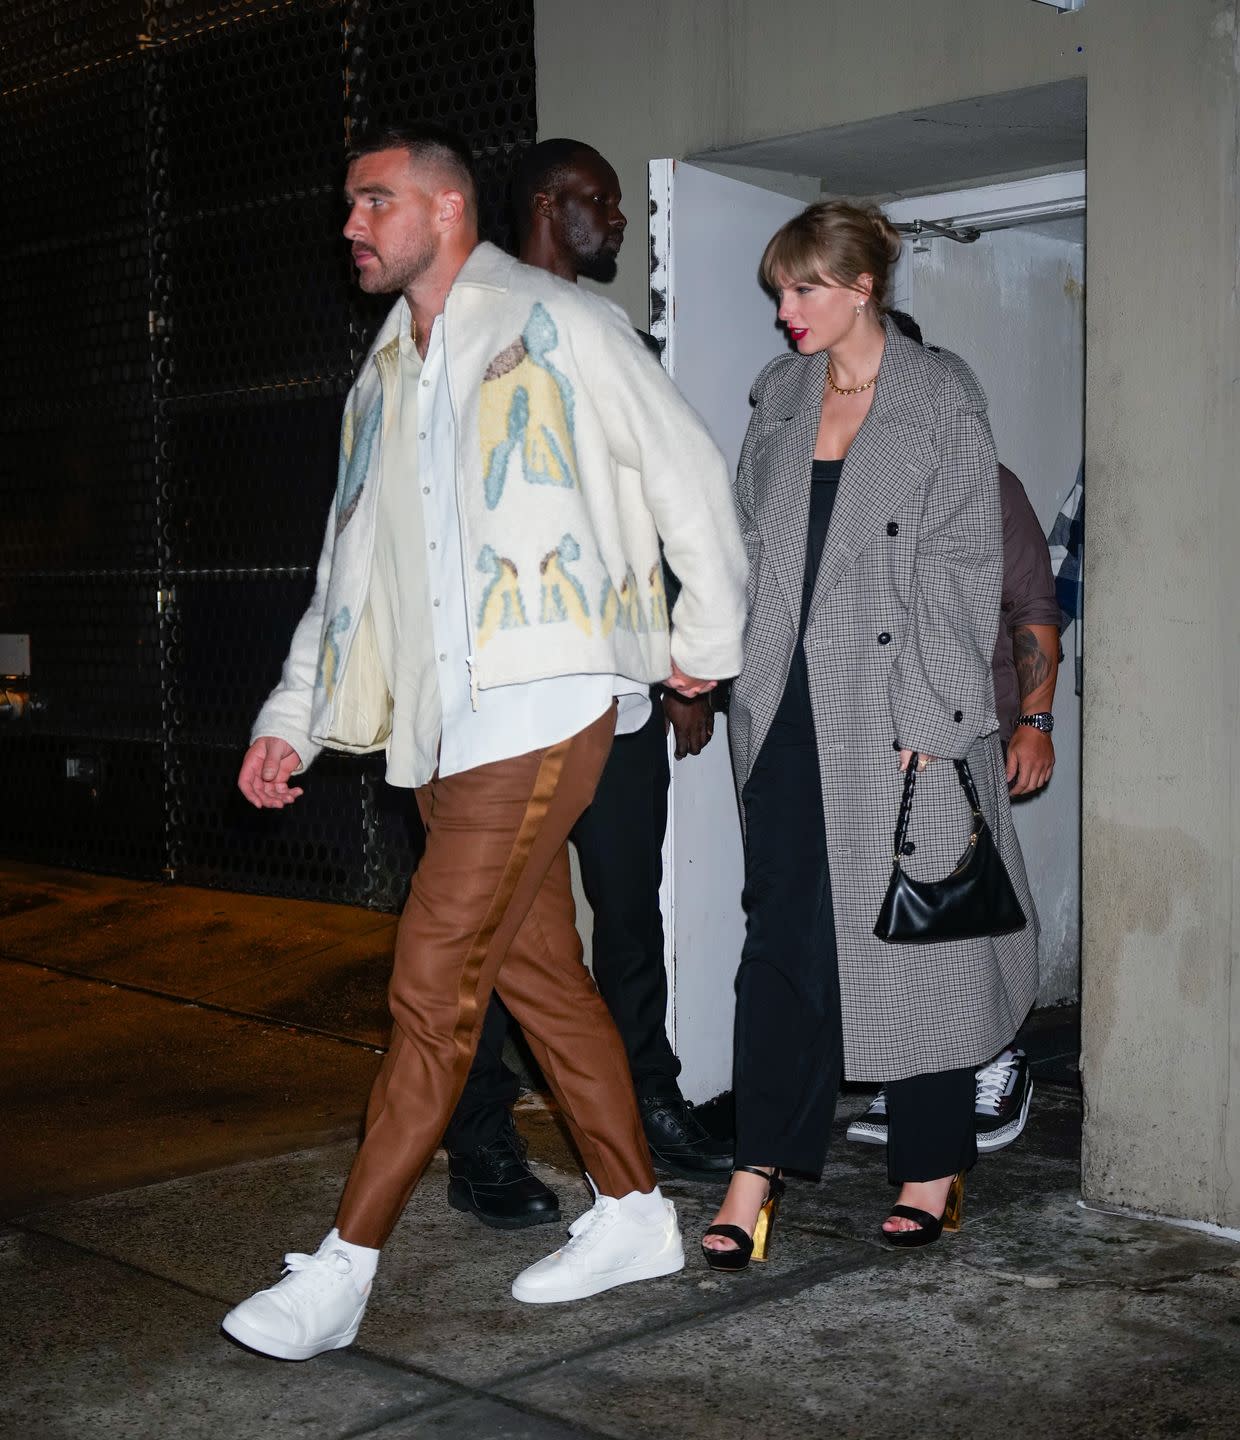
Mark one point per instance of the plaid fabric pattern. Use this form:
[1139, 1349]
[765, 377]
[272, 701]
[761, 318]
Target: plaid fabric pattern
[1067, 546]
[900, 635]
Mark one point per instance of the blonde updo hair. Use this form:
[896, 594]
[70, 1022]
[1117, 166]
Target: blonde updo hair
[836, 243]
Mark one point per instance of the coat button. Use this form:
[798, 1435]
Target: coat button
[907, 848]
[892, 528]
[884, 638]
[958, 716]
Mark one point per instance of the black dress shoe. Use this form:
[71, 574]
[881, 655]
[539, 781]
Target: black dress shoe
[678, 1140]
[494, 1183]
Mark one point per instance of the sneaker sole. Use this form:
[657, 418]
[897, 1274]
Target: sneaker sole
[280, 1349]
[667, 1264]
[998, 1139]
[866, 1132]
[501, 1222]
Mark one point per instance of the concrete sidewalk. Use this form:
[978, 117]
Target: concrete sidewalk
[1038, 1319]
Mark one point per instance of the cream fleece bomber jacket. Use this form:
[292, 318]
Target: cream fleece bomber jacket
[575, 454]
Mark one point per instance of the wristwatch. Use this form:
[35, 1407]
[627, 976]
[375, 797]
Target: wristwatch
[1043, 720]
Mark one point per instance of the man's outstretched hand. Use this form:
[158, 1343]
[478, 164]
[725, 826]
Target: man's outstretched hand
[265, 773]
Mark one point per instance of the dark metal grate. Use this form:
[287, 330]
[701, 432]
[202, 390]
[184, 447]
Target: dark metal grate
[178, 327]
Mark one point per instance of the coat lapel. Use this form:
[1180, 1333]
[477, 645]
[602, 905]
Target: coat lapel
[891, 455]
[782, 469]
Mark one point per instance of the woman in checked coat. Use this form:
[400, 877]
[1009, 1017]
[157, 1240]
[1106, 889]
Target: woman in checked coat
[868, 499]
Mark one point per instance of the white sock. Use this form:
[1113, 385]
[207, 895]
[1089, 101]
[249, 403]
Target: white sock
[364, 1260]
[650, 1208]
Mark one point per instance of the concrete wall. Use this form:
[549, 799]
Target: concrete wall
[1161, 804]
[650, 78]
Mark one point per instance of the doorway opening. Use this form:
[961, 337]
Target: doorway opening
[1011, 302]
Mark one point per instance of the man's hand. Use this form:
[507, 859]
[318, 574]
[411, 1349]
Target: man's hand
[1030, 760]
[692, 720]
[265, 773]
[687, 685]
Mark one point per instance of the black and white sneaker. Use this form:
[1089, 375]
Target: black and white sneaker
[871, 1128]
[1004, 1090]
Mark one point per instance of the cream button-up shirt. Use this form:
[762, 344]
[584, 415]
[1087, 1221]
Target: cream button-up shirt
[418, 599]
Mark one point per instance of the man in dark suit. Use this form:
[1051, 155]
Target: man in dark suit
[566, 199]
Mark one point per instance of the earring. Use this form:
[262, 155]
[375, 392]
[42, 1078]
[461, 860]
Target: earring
[860, 307]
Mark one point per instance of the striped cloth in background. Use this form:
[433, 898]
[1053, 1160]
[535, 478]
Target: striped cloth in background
[1067, 543]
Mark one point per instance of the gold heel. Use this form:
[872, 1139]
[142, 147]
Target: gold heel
[953, 1211]
[766, 1221]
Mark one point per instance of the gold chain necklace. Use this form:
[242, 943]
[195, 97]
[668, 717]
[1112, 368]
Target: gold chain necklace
[856, 389]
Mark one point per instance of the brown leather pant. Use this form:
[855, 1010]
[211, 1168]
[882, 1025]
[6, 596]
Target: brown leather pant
[491, 907]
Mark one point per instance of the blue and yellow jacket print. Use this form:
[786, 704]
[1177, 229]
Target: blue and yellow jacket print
[575, 453]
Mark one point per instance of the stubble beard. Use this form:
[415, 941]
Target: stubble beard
[591, 258]
[380, 278]
[602, 265]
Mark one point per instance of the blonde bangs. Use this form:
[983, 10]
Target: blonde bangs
[833, 243]
[794, 254]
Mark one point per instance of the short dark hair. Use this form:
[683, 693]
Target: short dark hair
[542, 169]
[435, 143]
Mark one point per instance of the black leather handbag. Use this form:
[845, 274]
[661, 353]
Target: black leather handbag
[976, 899]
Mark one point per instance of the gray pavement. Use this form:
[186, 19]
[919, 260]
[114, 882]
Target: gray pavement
[181, 1081]
[1039, 1318]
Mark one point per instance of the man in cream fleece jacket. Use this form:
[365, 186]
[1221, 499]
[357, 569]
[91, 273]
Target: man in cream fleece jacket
[489, 609]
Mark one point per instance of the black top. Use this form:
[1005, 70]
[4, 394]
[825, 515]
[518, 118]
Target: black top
[825, 483]
[794, 722]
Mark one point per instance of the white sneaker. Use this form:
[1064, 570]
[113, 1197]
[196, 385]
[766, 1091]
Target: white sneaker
[1004, 1090]
[316, 1307]
[871, 1128]
[607, 1247]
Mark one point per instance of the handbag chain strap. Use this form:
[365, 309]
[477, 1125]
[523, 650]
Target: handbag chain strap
[965, 777]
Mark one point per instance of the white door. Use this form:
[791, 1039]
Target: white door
[718, 329]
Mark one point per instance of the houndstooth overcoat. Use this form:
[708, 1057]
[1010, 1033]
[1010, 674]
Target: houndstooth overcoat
[898, 644]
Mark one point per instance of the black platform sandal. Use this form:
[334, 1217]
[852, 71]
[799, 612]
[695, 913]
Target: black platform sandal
[748, 1247]
[931, 1226]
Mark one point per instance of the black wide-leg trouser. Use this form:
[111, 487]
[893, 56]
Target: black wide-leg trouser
[788, 1047]
[788, 1050]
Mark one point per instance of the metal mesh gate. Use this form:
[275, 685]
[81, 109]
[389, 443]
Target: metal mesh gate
[178, 327]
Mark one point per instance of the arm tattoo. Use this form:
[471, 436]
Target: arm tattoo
[1032, 667]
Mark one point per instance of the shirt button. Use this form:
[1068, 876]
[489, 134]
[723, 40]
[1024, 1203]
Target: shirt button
[434, 602]
[892, 528]
[426, 384]
[432, 545]
[884, 638]
[443, 654]
[958, 716]
[421, 434]
[426, 489]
